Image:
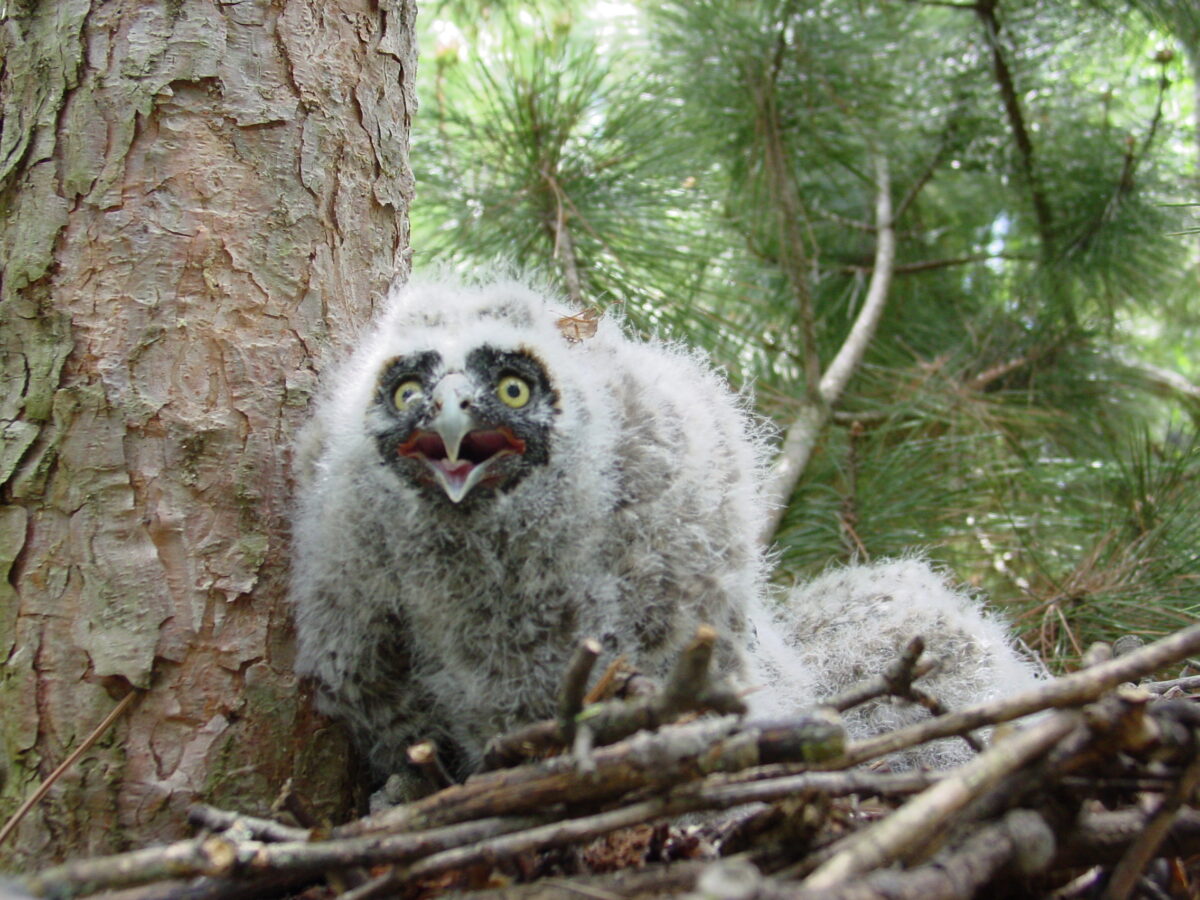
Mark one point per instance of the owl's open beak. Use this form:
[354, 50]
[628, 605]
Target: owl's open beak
[457, 451]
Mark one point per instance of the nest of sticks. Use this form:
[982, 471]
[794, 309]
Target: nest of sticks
[1086, 789]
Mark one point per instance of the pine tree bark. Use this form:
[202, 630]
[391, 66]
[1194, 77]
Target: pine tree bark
[197, 200]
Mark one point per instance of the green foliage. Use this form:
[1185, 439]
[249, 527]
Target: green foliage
[709, 166]
[539, 153]
[1106, 545]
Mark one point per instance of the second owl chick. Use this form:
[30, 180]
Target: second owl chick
[848, 624]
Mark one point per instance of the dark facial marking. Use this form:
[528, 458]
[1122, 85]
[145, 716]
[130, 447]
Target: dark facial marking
[423, 367]
[498, 363]
[518, 436]
[530, 422]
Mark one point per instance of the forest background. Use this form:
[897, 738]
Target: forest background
[950, 246]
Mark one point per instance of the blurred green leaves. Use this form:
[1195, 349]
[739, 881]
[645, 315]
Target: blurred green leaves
[1024, 410]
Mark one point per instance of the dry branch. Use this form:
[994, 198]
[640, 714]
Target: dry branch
[1025, 806]
[209, 817]
[919, 820]
[825, 389]
[689, 689]
[117, 711]
[647, 760]
[1070, 690]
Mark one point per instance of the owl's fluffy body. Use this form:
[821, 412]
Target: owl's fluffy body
[422, 618]
[628, 512]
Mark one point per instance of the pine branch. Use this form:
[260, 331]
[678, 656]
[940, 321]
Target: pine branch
[793, 255]
[986, 11]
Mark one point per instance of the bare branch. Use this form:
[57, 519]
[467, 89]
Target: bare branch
[843, 366]
[424, 758]
[564, 244]
[921, 818]
[574, 686]
[802, 434]
[649, 759]
[1070, 690]
[689, 690]
[986, 10]
[793, 254]
[205, 816]
[896, 679]
[956, 835]
[1156, 828]
[220, 856]
[927, 265]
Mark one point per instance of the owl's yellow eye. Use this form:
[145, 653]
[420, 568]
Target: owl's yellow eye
[407, 393]
[513, 391]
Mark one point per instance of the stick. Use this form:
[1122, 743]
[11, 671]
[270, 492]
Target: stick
[1143, 849]
[11, 825]
[204, 816]
[897, 678]
[216, 856]
[424, 758]
[660, 759]
[1069, 690]
[574, 687]
[925, 815]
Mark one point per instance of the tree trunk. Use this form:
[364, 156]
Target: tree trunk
[197, 199]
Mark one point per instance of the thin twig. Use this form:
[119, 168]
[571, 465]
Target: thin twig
[688, 690]
[1021, 837]
[11, 825]
[218, 856]
[574, 686]
[204, 816]
[1009, 95]
[425, 759]
[1069, 690]
[649, 760]
[1127, 871]
[1190, 683]
[898, 676]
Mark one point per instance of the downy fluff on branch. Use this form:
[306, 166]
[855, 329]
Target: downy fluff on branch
[486, 481]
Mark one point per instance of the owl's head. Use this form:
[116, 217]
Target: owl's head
[461, 424]
[463, 402]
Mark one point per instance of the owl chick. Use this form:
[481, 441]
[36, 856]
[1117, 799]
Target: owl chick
[477, 493]
[479, 489]
[849, 623]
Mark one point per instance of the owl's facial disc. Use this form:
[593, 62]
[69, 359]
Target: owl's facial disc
[457, 451]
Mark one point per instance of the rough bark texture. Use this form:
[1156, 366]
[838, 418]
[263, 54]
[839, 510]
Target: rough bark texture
[197, 199]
